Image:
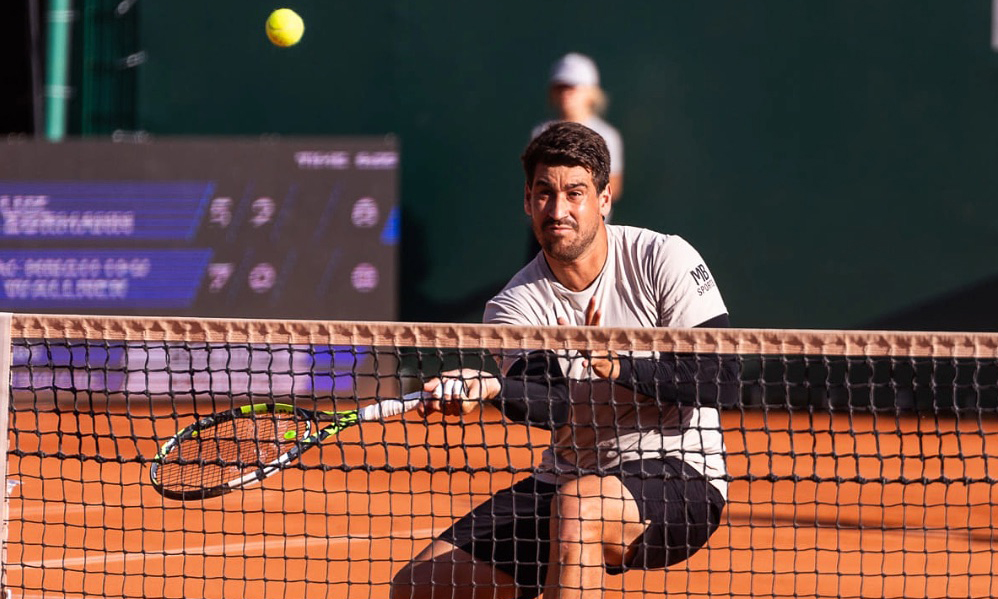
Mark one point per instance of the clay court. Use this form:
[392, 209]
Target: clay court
[821, 506]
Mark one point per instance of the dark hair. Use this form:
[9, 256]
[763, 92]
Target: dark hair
[569, 144]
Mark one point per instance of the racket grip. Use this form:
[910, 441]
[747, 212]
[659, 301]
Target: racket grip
[391, 407]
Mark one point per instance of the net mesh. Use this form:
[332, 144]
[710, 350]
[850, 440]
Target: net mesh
[859, 464]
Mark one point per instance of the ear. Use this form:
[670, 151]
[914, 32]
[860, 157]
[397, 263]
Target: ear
[526, 199]
[605, 201]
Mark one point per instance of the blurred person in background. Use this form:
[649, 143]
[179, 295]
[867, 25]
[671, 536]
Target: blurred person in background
[575, 95]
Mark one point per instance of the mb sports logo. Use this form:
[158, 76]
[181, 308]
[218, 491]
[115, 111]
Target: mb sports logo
[701, 277]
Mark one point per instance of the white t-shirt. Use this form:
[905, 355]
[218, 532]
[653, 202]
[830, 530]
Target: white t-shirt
[649, 280]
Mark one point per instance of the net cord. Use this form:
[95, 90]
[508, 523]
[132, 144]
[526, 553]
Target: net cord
[5, 356]
[738, 341]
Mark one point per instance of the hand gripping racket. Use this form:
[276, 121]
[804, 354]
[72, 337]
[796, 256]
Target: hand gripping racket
[238, 447]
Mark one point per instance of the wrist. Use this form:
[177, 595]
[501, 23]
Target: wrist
[491, 387]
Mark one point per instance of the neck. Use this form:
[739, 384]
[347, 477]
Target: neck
[580, 273]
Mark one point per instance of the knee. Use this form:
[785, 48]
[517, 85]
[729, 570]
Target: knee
[576, 518]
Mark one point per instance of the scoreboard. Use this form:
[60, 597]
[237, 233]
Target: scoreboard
[242, 228]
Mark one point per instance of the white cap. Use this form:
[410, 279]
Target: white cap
[574, 69]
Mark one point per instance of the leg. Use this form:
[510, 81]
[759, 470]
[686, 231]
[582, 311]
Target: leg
[651, 514]
[443, 571]
[498, 551]
[681, 508]
[595, 522]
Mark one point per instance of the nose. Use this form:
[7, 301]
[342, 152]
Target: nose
[557, 208]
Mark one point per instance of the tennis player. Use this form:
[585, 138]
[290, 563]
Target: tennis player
[635, 476]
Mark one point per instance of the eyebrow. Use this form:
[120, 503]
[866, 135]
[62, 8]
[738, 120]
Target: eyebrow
[543, 181]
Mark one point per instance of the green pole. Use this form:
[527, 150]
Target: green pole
[60, 19]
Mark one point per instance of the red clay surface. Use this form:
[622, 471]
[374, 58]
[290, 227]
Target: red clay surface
[837, 507]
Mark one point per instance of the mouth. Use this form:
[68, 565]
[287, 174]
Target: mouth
[559, 228]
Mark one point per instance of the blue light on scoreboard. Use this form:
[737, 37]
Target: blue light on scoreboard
[142, 210]
[334, 369]
[101, 279]
[56, 365]
[160, 368]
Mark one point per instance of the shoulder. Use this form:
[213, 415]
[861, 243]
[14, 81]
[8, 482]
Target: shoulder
[642, 253]
[689, 294]
[671, 271]
[676, 246]
[670, 255]
[633, 239]
[668, 244]
[521, 300]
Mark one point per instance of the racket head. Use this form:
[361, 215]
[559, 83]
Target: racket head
[228, 450]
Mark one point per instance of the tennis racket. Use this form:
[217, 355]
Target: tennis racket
[232, 449]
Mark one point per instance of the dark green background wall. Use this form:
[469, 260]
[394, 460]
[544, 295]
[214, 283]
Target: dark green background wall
[834, 161]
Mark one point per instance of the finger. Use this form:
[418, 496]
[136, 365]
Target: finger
[453, 389]
[471, 394]
[427, 407]
[594, 316]
[430, 405]
[432, 387]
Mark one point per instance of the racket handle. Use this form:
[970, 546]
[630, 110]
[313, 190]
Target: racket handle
[391, 407]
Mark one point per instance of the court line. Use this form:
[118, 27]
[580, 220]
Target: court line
[54, 507]
[218, 550]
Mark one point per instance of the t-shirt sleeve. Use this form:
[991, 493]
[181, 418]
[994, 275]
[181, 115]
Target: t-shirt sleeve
[503, 310]
[688, 294]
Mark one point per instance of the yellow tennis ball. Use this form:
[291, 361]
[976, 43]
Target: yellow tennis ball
[285, 27]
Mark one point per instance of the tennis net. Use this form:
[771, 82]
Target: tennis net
[858, 464]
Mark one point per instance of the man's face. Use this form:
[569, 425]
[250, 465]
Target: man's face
[565, 209]
[572, 101]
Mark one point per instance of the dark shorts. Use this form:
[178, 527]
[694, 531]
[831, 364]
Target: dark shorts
[511, 530]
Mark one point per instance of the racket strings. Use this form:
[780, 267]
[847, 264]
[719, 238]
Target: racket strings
[228, 450]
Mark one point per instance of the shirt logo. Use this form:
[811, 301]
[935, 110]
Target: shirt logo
[700, 274]
[701, 277]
